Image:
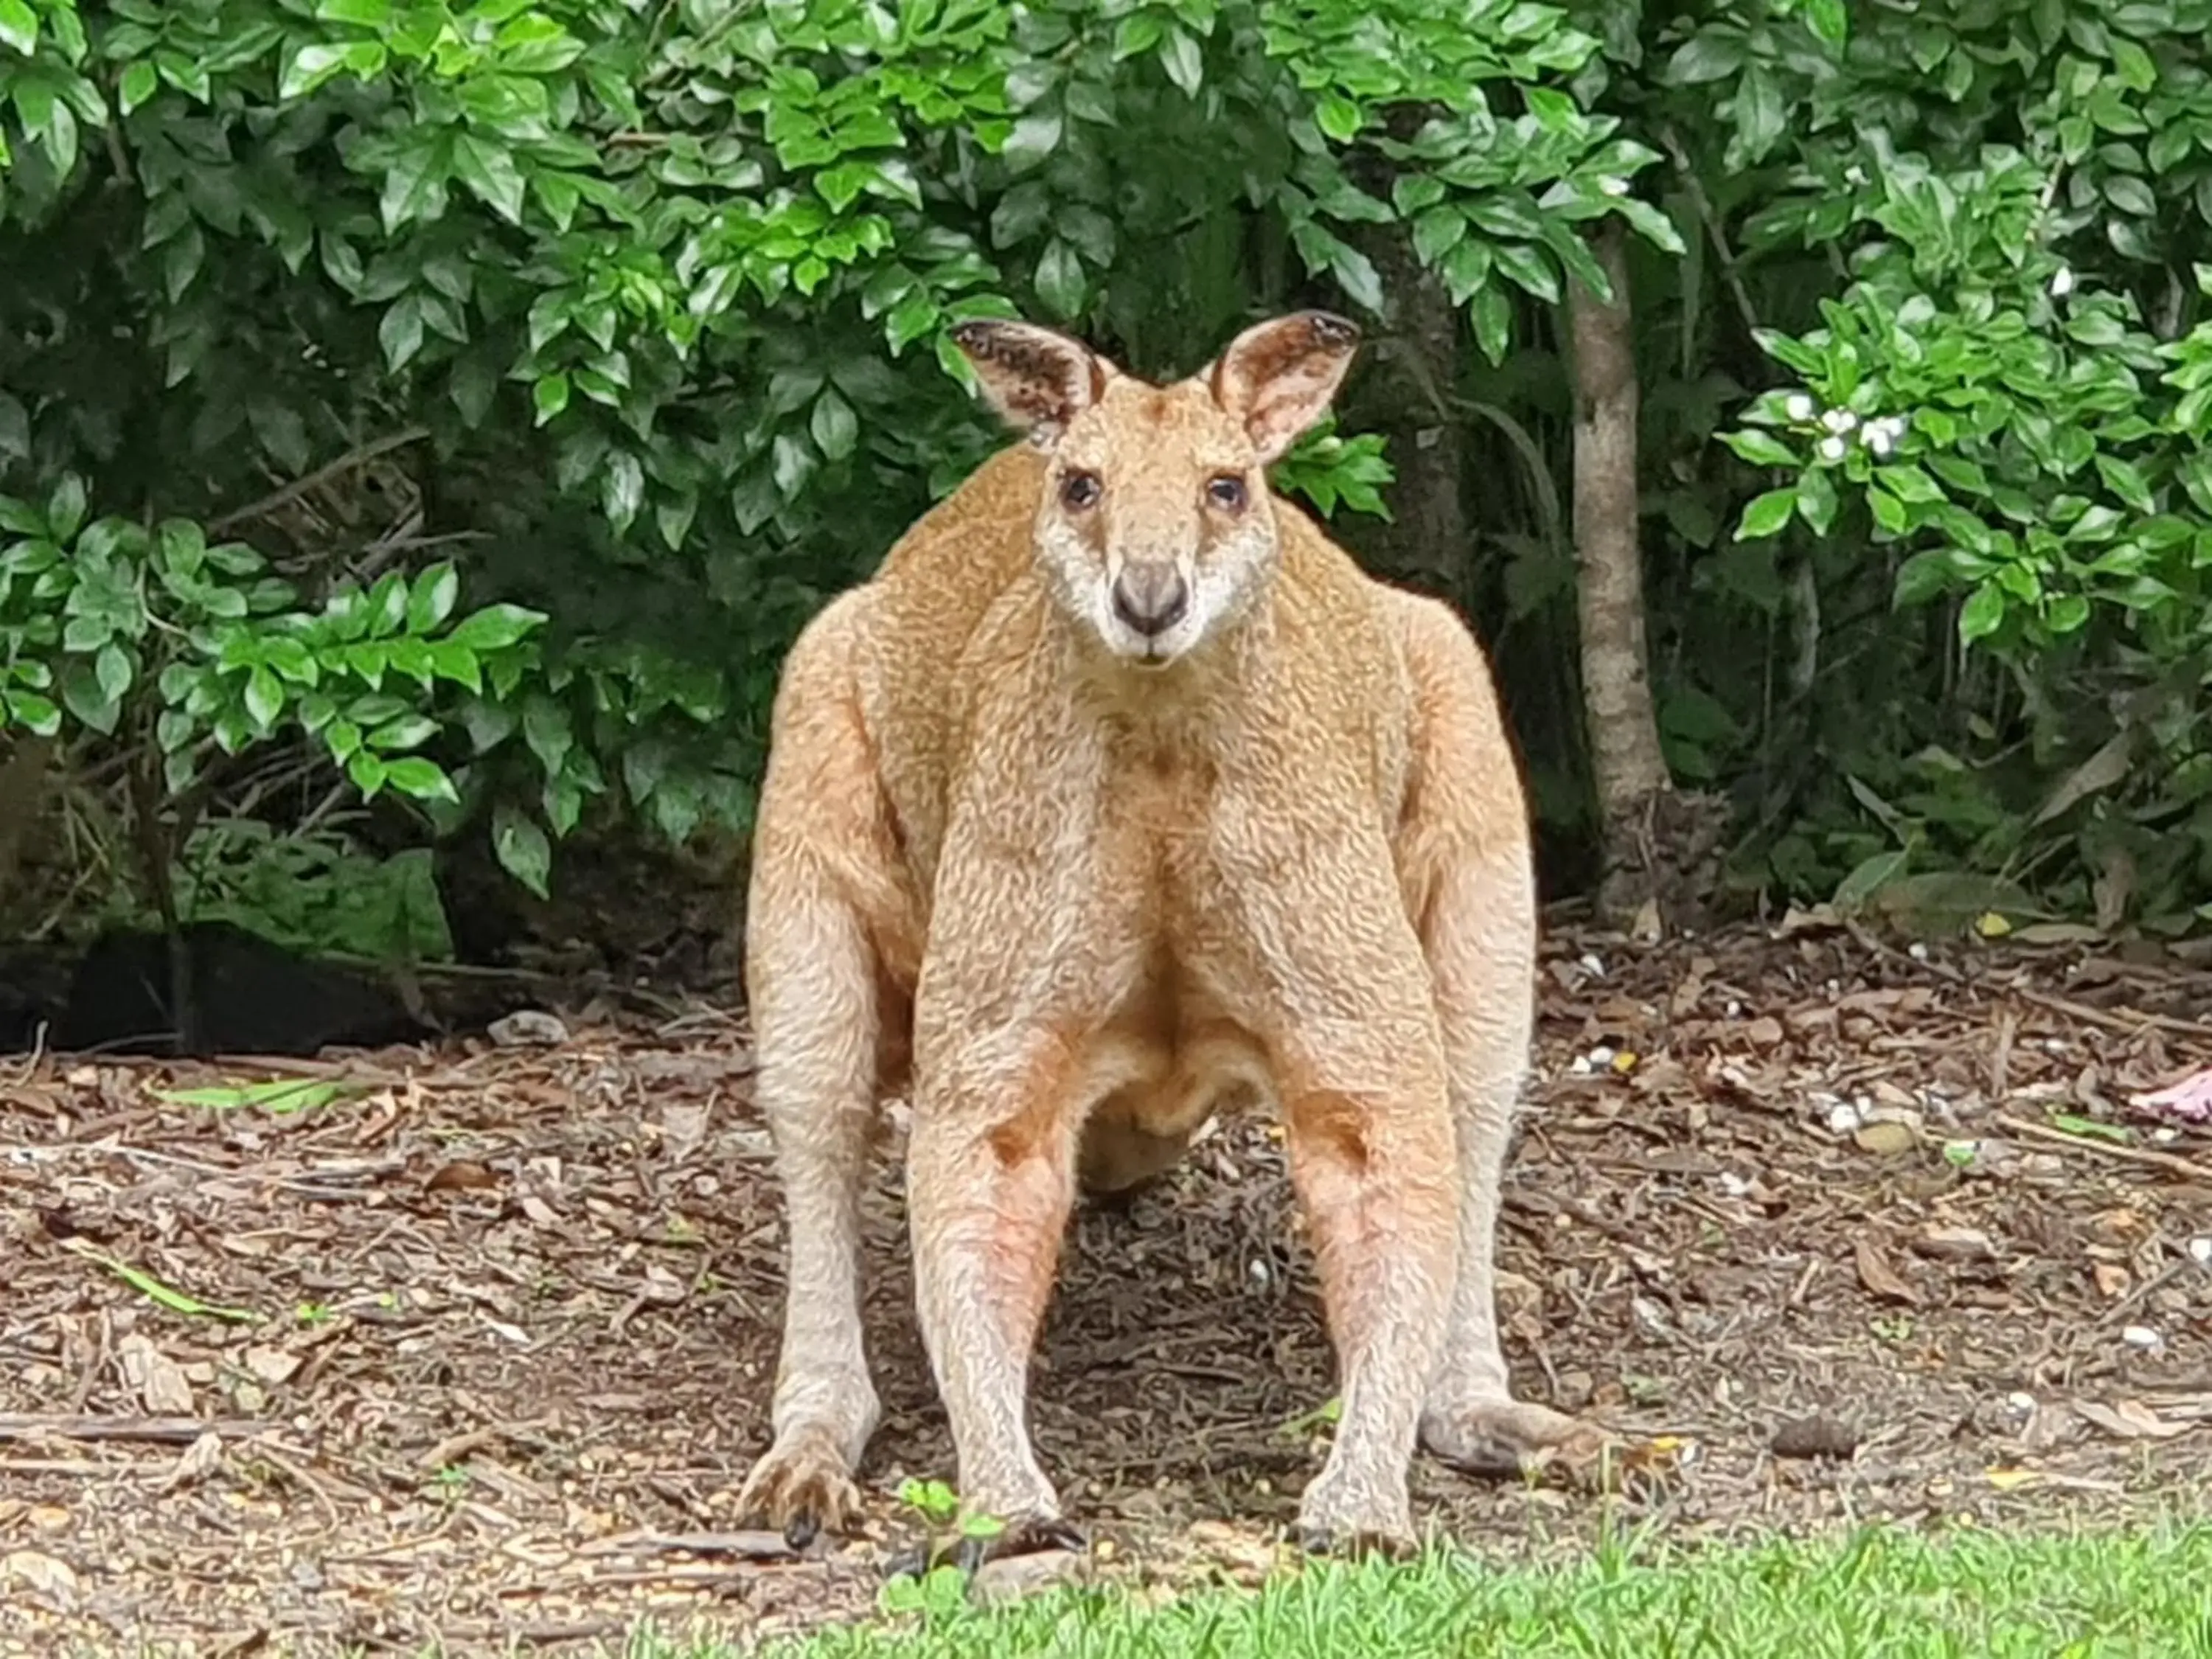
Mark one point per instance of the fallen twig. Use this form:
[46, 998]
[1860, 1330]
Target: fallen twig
[2157, 1160]
[162, 1430]
[749, 1545]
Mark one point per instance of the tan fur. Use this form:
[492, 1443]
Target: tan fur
[1102, 884]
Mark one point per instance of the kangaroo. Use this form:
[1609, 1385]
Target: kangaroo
[1118, 798]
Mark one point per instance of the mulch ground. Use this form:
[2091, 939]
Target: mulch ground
[479, 1349]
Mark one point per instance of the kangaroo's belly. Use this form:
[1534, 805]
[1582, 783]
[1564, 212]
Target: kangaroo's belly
[1171, 1060]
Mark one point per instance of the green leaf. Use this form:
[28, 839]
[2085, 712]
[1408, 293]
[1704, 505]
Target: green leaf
[1529, 268]
[1491, 310]
[400, 333]
[409, 731]
[1760, 448]
[368, 773]
[1983, 614]
[1816, 499]
[495, 627]
[140, 81]
[18, 26]
[82, 697]
[1059, 280]
[622, 490]
[65, 508]
[2131, 195]
[312, 62]
[265, 698]
[524, 852]
[1035, 137]
[1180, 58]
[1356, 275]
[430, 598]
[34, 712]
[1828, 20]
[1767, 514]
[491, 173]
[550, 396]
[112, 672]
[1436, 232]
[420, 779]
[1712, 55]
[2127, 482]
[1339, 116]
[834, 426]
[1921, 578]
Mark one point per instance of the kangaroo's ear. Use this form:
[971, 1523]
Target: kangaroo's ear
[1277, 377]
[1038, 381]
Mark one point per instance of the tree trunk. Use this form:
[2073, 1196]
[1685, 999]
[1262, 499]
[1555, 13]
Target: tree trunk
[1654, 868]
[1428, 538]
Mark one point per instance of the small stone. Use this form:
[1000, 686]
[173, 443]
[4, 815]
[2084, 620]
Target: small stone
[2142, 1336]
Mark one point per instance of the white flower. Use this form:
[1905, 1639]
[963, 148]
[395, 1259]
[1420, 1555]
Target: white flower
[1832, 449]
[1882, 435]
[1799, 407]
[2063, 284]
[1839, 420]
[1613, 187]
[1854, 174]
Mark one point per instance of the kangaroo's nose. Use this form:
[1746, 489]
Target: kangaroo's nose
[1150, 597]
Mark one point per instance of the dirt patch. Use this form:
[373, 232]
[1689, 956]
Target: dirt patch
[486, 1336]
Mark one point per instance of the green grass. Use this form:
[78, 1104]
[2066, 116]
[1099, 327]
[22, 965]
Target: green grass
[1882, 1593]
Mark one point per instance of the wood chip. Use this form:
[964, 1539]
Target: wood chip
[1880, 1279]
[2129, 1419]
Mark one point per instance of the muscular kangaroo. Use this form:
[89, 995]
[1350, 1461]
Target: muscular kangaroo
[1119, 797]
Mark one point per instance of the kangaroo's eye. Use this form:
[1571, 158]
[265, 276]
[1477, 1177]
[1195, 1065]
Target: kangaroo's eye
[1226, 492]
[1080, 489]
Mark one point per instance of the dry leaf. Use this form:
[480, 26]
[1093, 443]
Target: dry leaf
[2013, 1480]
[41, 1573]
[682, 1129]
[159, 1383]
[2112, 1279]
[202, 1458]
[2129, 1419]
[271, 1365]
[1879, 1277]
[464, 1174]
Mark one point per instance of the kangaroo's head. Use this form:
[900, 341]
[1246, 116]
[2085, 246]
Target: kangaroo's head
[1156, 527]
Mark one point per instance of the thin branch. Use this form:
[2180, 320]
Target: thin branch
[322, 475]
[1731, 272]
